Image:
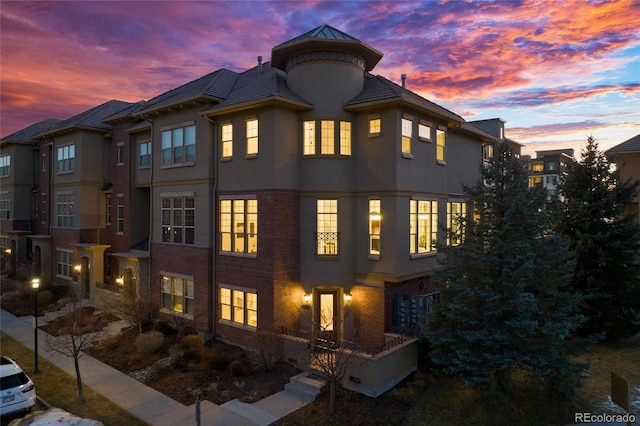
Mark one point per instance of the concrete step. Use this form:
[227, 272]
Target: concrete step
[308, 387]
[250, 412]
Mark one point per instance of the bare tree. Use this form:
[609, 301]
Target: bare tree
[134, 303]
[77, 331]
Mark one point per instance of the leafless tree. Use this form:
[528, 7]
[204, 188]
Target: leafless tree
[77, 331]
[133, 304]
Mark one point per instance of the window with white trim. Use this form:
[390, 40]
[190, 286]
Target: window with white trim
[145, 154]
[120, 215]
[179, 145]
[441, 139]
[252, 136]
[108, 210]
[309, 137]
[424, 131]
[227, 140]
[375, 125]
[374, 227]
[423, 220]
[407, 131]
[178, 294]
[345, 138]
[65, 210]
[456, 213]
[66, 158]
[327, 227]
[43, 167]
[327, 137]
[239, 226]
[5, 165]
[120, 154]
[43, 210]
[240, 307]
[63, 263]
[5, 206]
[178, 220]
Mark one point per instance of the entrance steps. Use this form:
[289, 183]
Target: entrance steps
[307, 384]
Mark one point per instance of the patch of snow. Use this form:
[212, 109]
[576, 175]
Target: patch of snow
[58, 417]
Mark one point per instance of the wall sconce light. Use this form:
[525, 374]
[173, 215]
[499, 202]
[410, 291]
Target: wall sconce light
[77, 268]
[8, 251]
[307, 299]
[347, 297]
[120, 280]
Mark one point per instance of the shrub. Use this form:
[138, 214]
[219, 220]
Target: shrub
[44, 298]
[219, 361]
[165, 328]
[149, 342]
[191, 347]
[237, 368]
[109, 341]
[188, 330]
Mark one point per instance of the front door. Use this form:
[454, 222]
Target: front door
[326, 317]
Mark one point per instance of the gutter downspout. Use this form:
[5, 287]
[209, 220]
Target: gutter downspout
[149, 277]
[212, 206]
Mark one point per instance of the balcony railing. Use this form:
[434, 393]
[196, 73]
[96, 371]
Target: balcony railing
[327, 243]
[109, 287]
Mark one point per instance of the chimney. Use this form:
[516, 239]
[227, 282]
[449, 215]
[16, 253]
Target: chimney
[404, 79]
[259, 64]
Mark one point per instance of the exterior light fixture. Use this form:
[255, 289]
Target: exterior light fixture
[120, 280]
[8, 251]
[77, 268]
[35, 285]
[307, 299]
[347, 297]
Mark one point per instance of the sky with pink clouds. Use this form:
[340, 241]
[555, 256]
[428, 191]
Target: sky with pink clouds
[556, 70]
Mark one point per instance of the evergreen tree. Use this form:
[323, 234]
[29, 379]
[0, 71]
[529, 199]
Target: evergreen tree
[504, 299]
[607, 243]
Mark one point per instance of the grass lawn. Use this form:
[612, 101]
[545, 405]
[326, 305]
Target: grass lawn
[59, 388]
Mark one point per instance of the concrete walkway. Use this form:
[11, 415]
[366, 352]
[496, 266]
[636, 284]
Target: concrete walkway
[146, 403]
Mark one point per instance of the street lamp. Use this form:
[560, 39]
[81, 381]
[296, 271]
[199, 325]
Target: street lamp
[35, 285]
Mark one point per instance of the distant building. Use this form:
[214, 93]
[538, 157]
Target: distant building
[626, 156]
[495, 126]
[548, 167]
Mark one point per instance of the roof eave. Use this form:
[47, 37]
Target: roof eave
[69, 129]
[269, 101]
[452, 119]
[183, 103]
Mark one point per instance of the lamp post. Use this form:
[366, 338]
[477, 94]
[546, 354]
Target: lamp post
[35, 285]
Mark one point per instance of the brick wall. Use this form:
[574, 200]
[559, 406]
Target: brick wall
[367, 304]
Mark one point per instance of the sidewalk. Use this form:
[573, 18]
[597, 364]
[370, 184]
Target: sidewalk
[148, 404]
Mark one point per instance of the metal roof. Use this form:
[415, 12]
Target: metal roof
[323, 31]
[27, 134]
[91, 119]
[628, 146]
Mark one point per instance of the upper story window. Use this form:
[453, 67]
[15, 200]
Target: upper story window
[407, 130]
[178, 220]
[345, 138]
[238, 306]
[552, 166]
[423, 224]
[145, 154]
[252, 136]
[178, 294]
[179, 145]
[456, 213]
[374, 227]
[487, 152]
[329, 134]
[537, 167]
[108, 210]
[120, 215]
[327, 227]
[65, 210]
[66, 158]
[424, 131]
[120, 154]
[227, 140]
[43, 210]
[44, 163]
[5, 165]
[5, 206]
[441, 140]
[374, 125]
[239, 226]
[63, 263]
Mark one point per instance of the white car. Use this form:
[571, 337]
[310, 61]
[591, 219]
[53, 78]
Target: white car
[17, 391]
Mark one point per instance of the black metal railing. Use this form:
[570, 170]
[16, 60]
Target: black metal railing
[327, 243]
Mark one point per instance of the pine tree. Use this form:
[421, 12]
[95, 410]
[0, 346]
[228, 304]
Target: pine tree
[607, 243]
[504, 299]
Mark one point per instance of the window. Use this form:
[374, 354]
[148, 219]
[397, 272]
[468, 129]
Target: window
[108, 210]
[43, 211]
[345, 138]
[411, 309]
[424, 131]
[63, 263]
[4, 243]
[406, 135]
[239, 226]
[374, 125]
[240, 307]
[537, 167]
[326, 137]
[552, 166]
[440, 144]
[120, 215]
[65, 211]
[36, 205]
[374, 227]
[145, 154]
[5, 206]
[178, 294]
[456, 214]
[179, 145]
[227, 140]
[44, 163]
[252, 136]
[5, 165]
[423, 226]
[66, 158]
[309, 137]
[535, 181]
[178, 220]
[487, 152]
[120, 154]
[327, 227]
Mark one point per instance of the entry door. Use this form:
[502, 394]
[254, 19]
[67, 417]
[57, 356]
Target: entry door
[327, 313]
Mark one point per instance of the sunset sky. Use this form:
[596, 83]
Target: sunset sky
[556, 71]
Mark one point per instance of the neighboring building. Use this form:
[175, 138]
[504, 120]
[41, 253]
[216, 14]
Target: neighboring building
[20, 204]
[303, 194]
[548, 167]
[626, 156]
[495, 126]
